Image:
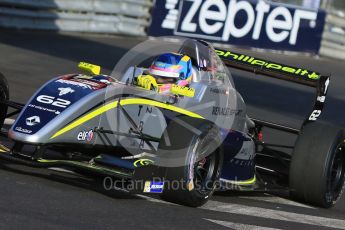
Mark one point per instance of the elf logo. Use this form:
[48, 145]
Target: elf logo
[216, 20]
[85, 136]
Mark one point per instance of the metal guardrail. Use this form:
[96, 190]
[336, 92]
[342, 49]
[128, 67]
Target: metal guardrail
[333, 38]
[129, 17]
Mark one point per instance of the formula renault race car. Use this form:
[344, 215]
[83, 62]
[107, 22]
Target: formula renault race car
[184, 144]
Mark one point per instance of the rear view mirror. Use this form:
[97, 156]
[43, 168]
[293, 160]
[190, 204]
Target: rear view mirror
[88, 68]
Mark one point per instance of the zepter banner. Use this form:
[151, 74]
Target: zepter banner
[245, 23]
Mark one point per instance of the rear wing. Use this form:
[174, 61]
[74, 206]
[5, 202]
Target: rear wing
[283, 72]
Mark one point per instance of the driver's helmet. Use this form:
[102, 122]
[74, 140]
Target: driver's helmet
[171, 68]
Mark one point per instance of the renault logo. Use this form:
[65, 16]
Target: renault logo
[31, 121]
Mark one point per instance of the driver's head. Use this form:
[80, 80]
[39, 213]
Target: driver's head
[170, 68]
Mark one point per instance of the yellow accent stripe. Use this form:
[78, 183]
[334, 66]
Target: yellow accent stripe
[139, 101]
[86, 118]
[113, 105]
[41, 160]
[247, 182]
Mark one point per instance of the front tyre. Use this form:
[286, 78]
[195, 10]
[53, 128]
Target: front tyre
[317, 170]
[194, 182]
[4, 95]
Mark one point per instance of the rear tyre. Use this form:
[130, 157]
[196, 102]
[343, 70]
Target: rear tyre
[194, 182]
[4, 95]
[317, 170]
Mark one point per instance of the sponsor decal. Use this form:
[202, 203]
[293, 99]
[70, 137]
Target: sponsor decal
[326, 86]
[58, 102]
[85, 136]
[31, 121]
[105, 81]
[142, 162]
[94, 85]
[219, 91]
[78, 84]
[64, 91]
[44, 109]
[87, 80]
[82, 82]
[222, 111]
[255, 23]
[244, 59]
[243, 163]
[153, 187]
[22, 130]
[280, 24]
[321, 98]
[247, 152]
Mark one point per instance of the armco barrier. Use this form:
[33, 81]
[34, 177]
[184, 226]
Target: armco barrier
[101, 16]
[333, 38]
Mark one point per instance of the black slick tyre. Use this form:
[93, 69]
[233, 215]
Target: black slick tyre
[4, 95]
[317, 170]
[196, 145]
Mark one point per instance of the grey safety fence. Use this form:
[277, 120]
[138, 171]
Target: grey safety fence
[130, 17]
[333, 38]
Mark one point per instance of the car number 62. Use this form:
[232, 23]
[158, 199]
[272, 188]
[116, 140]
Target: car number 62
[314, 115]
[58, 102]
